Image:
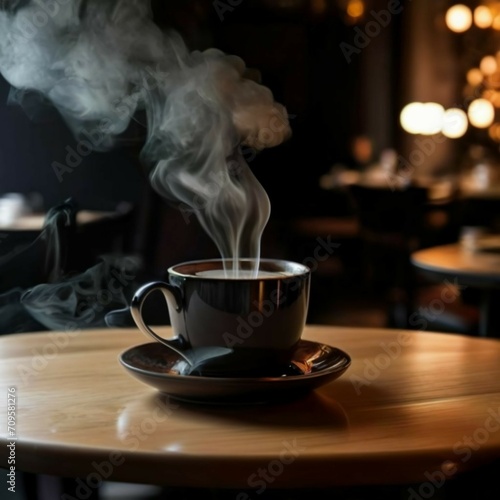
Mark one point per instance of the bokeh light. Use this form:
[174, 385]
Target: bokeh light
[433, 118]
[474, 77]
[483, 18]
[494, 132]
[481, 113]
[412, 116]
[496, 23]
[455, 123]
[422, 118]
[488, 65]
[355, 8]
[459, 18]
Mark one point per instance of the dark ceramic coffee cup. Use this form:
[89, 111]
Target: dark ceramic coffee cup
[254, 319]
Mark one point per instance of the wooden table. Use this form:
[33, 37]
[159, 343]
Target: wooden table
[408, 407]
[475, 268]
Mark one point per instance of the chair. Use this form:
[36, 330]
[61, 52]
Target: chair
[391, 224]
[480, 211]
[101, 233]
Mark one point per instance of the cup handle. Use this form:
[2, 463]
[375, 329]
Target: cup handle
[173, 297]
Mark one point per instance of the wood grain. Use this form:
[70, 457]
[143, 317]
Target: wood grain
[411, 403]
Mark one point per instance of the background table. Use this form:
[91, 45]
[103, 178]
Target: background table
[479, 269]
[35, 222]
[403, 409]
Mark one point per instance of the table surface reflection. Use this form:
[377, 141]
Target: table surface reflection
[410, 404]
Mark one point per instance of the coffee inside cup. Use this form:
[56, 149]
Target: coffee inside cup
[240, 274]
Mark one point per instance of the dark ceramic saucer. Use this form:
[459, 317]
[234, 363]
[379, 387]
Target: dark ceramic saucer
[313, 365]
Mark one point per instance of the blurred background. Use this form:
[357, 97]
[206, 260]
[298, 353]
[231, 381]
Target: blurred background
[385, 98]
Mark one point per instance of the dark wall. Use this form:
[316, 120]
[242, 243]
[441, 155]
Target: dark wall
[296, 49]
[297, 52]
[29, 145]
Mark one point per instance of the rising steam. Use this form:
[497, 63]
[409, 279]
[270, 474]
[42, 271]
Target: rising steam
[102, 62]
